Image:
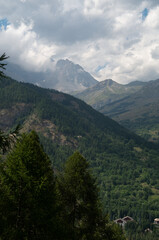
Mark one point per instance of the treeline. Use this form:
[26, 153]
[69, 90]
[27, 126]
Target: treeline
[36, 203]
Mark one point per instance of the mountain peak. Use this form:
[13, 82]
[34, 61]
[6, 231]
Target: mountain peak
[67, 64]
[62, 62]
[72, 77]
[66, 77]
[109, 82]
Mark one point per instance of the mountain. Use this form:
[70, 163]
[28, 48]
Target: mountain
[72, 77]
[126, 166]
[138, 111]
[134, 105]
[106, 92]
[66, 76]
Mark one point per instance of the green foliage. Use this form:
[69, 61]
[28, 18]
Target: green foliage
[78, 195]
[31, 208]
[108, 231]
[27, 204]
[125, 166]
[134, 230]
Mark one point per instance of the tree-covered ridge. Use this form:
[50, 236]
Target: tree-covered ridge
[125, 166]
[106, 92]
[134, 105]
[138, 111]
[36, 205]
[71, 115]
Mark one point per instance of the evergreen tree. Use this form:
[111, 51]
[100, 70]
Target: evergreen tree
[79, 198]
[79, 204]
[107, 230]
[2, 65]
[27, 201]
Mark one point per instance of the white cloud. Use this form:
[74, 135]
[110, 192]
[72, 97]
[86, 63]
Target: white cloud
[93, 33]
[155, 52]
[24, 48]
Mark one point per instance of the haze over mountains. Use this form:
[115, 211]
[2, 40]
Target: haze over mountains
[131, 104]
[134, 105]
[106, 92]
[65, 76]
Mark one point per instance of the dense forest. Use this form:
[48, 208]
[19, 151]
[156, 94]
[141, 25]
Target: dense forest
[36, 204]
[125, 167]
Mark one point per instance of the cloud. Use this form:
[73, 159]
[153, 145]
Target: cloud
[24, 48]
[115, 39]
[155, 53]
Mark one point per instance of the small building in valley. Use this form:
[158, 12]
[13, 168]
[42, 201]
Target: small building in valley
[123, 221]
[120, 221]
[127, 219]
[156, 221]
[148, 230]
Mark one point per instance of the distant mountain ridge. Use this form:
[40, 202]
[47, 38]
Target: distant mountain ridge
[134, 105]
[66, 76]
[106, 92]
[138, 111]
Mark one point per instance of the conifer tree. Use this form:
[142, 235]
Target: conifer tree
[2, 65]
[80, 207]
[79, 198]
[27, 193]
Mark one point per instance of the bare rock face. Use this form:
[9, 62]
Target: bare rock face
[72, 77]
[66, 76]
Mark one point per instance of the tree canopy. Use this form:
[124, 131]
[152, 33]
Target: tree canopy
[27, 204]
[78, 196]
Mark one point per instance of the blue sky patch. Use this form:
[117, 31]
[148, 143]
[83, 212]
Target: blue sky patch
[100, 67]
[145, 13]
[4, 23]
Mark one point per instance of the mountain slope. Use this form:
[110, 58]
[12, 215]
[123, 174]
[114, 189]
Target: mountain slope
[139, 111]
[126, 167]
[72, 77]
[106, 92]
[66, 76]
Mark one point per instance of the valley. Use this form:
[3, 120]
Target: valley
[125, 165]
[135, 105]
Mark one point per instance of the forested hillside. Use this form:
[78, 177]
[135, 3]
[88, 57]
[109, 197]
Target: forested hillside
[125, 166]
[138, 111]
[134, 105]
[106, 92]
[36, 205]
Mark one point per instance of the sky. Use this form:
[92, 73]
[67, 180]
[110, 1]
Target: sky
[117, 39]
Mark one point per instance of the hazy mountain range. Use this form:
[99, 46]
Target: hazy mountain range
[135, 105]
[65, 76]
[106, 92]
